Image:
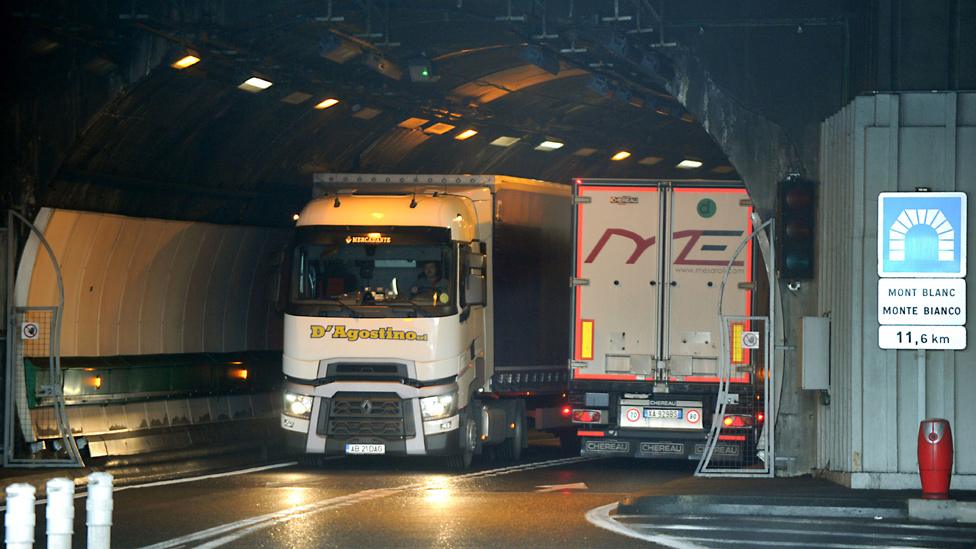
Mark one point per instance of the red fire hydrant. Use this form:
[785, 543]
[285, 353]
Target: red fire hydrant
[935, 457]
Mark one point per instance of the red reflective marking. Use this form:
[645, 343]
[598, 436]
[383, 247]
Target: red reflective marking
[708, 190]
[591, 433]
[711, 379]
[749, 261]
[619, 188]
[733, 438]
[578, 342]
[577, 375]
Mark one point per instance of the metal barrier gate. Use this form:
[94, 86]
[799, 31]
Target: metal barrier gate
[34, 333]
[741, 440]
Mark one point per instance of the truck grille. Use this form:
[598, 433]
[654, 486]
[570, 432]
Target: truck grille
[366, 406]
[387, 428]
[361, 415]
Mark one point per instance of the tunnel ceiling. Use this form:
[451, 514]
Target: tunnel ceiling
[189, 144]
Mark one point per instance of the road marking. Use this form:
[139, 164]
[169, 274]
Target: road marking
[600, 517]
[559, 487]
[83, 493]
[233, 531]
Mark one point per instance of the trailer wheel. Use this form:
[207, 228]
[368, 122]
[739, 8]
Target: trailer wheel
[469, 441]
[511, 449]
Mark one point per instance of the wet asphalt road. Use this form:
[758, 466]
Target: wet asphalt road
[390, 503]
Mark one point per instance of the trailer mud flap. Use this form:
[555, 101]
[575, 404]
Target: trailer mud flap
[657, 449]
[604, 447]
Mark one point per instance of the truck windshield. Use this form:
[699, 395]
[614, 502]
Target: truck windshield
[373, 272]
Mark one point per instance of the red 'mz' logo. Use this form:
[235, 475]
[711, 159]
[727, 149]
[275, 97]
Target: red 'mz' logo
[693, 236]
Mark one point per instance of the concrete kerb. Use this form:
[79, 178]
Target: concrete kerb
[921, 510]
[942, 510]
[764, 506]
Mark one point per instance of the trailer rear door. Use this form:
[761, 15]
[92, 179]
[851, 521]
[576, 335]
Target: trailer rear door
[618, 291]
[641, 301]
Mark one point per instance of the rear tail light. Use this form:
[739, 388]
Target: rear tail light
[737, 421]
[566, 411]
[760, 417]
[587, 416]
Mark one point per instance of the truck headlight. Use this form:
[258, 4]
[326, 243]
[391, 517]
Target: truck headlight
[438, 407]
[297, 405]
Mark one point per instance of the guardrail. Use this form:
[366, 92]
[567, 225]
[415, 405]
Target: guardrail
[20, 520]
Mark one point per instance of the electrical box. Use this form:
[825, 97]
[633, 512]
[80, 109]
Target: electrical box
[815, 353]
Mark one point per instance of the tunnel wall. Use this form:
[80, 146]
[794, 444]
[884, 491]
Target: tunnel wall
[868, 431]
[135, 286]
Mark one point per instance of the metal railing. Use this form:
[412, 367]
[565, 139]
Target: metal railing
[33, 332]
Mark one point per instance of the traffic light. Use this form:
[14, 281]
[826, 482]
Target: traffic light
[796, 228]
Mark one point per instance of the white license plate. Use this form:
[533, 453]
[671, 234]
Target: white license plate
[662, 413]
[369, 449]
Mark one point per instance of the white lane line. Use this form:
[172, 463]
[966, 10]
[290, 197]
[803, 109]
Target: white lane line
[83, 493]
[208, 477]
[233, 531]
[600, 517]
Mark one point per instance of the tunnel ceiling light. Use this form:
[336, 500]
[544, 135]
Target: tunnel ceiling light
[465, 134]
[439, 128]
[689, 164]
[255, 85]
[413, 123]
[185, 62]
[650, 160]
[622, 155]
[505, 141]
[548, 146]
[296, 98]
[326, 103]
[584, 152]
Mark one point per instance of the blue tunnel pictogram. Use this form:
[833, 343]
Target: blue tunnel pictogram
[907, 235]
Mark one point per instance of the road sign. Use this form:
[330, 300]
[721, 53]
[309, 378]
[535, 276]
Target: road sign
[922, 337]
[922, 235]
[29, 331]
[927, 301]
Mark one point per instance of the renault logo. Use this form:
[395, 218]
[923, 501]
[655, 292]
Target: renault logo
[367, 407]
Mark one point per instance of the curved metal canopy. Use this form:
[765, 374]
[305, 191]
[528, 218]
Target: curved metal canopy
[190, 143]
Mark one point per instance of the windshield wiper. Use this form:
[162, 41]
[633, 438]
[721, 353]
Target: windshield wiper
[353, 313]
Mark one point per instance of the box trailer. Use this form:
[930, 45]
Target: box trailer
[650, 257]
[427, 314]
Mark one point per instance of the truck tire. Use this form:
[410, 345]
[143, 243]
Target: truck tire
[511, 449]
[469, 441]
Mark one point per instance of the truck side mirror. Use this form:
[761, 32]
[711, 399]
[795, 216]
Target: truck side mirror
[475, 287]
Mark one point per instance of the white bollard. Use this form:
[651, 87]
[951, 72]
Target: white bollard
[60, 513]
[99, 506]
[19, 519]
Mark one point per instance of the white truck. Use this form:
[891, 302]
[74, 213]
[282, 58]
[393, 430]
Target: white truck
[424, 313]
[649, 263]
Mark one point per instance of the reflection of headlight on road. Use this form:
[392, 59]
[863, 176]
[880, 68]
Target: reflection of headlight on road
[438, 407]
[297, 405]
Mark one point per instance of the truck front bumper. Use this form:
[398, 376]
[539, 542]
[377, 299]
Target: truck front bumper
[323, 433]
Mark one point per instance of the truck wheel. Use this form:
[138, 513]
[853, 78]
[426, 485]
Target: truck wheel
[511, 449]
[469, 441]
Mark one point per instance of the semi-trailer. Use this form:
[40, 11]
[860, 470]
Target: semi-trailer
[647, 358]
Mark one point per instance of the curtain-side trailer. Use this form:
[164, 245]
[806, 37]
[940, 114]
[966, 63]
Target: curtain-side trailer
[425, 313]
[649, 263]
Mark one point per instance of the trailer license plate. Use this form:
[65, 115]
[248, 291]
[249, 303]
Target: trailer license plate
[369, 449]
[662, 413]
